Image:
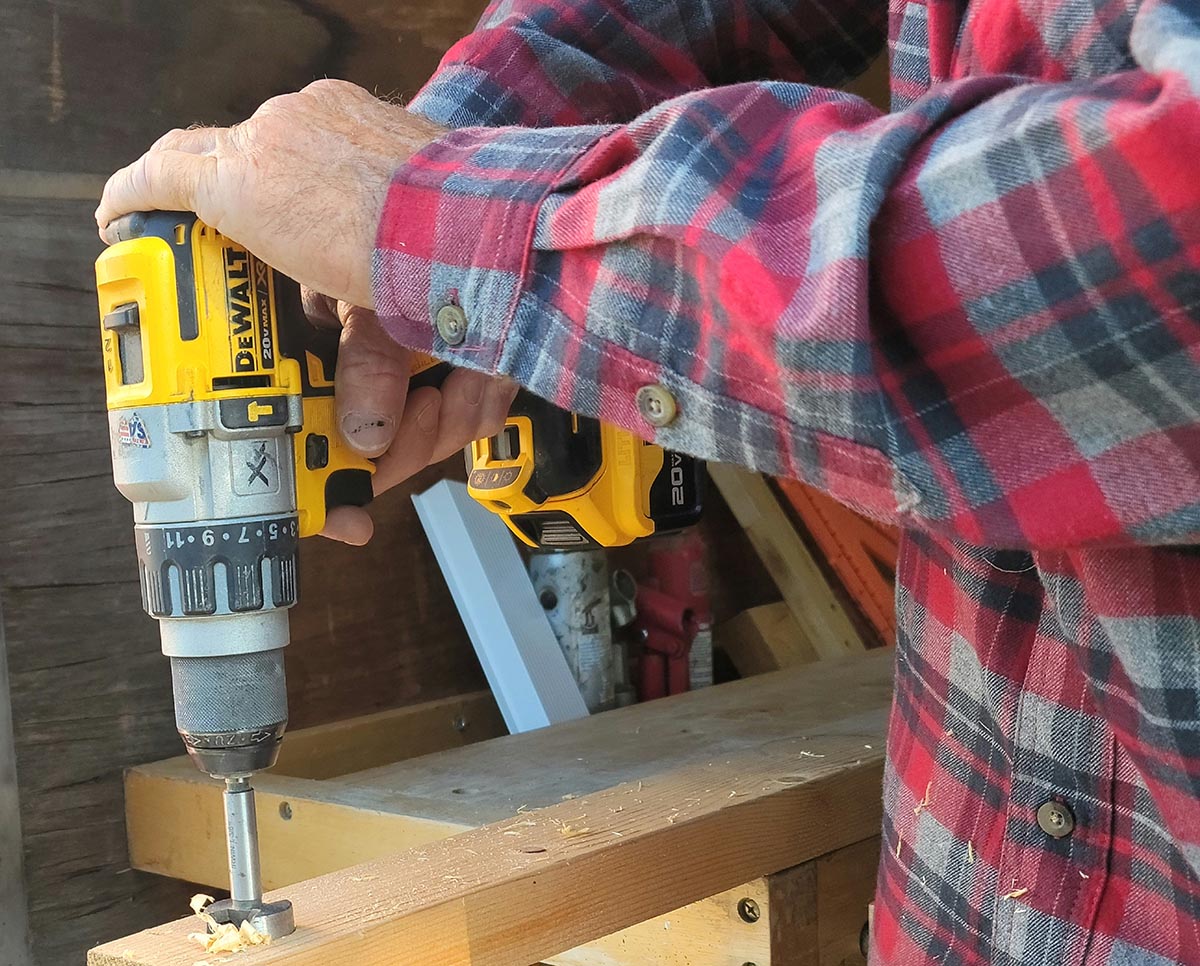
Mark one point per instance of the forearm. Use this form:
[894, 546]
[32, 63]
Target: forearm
[977, 316]
[542, 63]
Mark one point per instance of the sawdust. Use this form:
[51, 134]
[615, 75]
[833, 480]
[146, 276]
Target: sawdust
[223, 937]
[924, 803]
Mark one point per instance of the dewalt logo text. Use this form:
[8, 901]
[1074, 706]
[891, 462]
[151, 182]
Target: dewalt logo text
[241, 312]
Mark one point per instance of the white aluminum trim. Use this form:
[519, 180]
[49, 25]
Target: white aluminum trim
[521, 658]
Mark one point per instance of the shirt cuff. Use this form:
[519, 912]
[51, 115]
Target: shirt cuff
[457, 230]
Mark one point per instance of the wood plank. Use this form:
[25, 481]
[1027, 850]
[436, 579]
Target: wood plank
[14, 910]
[812, 601]
[755, 739]
[845, 887]
[763, 639]
[372, 740]
[861, 554]
[708, 931]
[306, 828]
[602, 862]
[792, 904]
[490, 781]
[809, 915]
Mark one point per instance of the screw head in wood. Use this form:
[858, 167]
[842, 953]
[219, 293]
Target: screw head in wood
[749, 910]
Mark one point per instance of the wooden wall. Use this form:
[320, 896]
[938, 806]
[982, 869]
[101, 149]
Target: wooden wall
[86, 86]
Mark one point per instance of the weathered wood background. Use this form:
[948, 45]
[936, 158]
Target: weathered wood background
[86, 86]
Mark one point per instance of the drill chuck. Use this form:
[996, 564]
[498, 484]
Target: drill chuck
[231, 710]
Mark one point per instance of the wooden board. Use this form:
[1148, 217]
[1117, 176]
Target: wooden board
[86, 86]
[813, 602]
[809, 915]
[764, 638]
[613, 819]
[844, 890]
[859, 552]
[371, 740]
[708, 931]
[14, 916]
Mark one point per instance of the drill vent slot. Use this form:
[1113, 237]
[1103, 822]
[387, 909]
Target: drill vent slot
[241, 382]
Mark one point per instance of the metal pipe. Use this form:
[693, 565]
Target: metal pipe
[241, 832]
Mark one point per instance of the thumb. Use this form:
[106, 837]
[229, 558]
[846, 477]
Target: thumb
[371, 381]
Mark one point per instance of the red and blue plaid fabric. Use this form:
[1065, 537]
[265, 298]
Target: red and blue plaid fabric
[977, 317]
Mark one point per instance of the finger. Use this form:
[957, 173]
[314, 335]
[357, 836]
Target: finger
[462, 397]
[410, 453]
[412, 449]
[157, 181]
[320, 309]
[497, 400]
[349, 524]
[371, 382]
[190, 140]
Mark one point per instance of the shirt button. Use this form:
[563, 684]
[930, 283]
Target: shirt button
[1055, 819]
[656, 405]
[451, 324]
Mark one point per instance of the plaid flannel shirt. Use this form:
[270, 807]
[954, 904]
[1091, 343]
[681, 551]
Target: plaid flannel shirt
[977, 317]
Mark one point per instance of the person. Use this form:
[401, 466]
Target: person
[976, 316]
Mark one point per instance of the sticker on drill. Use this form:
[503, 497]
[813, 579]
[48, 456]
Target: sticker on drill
[131, 431]
[255, 467]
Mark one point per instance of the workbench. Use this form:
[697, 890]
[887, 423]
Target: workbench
[733, 825]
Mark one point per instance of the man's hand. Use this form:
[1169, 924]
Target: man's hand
[403, 431]
[301, 184]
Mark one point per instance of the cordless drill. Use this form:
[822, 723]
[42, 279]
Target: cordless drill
[224, 438]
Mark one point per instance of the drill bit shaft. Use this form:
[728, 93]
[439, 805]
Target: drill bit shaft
[241, 828]
[245, 902]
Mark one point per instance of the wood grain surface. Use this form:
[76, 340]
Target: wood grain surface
[584, 828]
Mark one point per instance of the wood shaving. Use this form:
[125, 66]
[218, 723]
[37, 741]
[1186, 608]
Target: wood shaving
[570, 831]
[1084, 875]
[810, 754]
[568, 797]
[924, 802]
[363, 878]
[1016, 894]
[899, 842]
[970, 853]
[223, 937]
